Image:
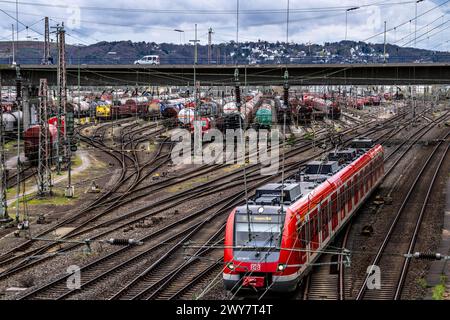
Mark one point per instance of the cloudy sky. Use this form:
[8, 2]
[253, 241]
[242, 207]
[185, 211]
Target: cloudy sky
[316, 21]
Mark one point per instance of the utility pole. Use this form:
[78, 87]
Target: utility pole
[287, 24]
[44, 169]
[46, 58]
[195, 41]
[346, 19]
[237, 21]
[19, 164]
[414, 92]
[17, 27]
[61, 149]
[210, 32]
[384, 50]
[218, 55]
[415, 24]
[13, 47]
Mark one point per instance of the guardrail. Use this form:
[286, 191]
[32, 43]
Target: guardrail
[441, 58]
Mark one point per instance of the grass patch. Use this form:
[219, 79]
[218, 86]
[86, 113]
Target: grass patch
[422, 283]
[57, 199]
[439, 290]
[76, 162]
[151, 147]
[290, 141]
[308, 136]
[10, 145]
[232, 167]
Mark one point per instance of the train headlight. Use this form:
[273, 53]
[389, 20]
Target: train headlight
[281, 267]
[260, 210]
[230, 266]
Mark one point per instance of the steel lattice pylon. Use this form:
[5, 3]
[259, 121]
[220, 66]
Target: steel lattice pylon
[3, 173]
[46, 58]
[44, 159]
[62, 97]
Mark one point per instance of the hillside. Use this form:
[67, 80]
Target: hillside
[262, 52]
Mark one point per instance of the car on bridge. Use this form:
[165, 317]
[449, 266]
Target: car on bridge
[153, 60]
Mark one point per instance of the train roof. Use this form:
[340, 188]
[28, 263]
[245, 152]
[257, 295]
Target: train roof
[267, 198]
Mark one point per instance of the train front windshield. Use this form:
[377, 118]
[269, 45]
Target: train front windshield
[262, 232]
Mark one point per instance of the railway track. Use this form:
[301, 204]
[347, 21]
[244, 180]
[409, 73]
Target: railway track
[170, 287]
[321, 283]
[403, 231]
[6, 258]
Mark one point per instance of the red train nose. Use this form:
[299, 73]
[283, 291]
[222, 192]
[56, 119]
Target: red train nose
[255, 282]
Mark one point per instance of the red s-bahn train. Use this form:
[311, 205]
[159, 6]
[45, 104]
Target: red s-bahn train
[272, 242]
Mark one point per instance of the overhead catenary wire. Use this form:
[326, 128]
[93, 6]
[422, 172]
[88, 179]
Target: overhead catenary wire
[426, 33]
[210, 11]
[406, 22]
[292, 11]
[421, 28]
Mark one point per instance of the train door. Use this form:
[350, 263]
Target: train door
[302, 244]
[361, 184]
[349, 195]
[334, 211]
[304, 241]
[314, 230]
[356, 190]
[324, 220]
[341, 201]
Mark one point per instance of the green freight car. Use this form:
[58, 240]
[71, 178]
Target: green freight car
[263, 118]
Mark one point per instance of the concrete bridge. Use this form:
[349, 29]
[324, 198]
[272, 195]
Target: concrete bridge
[209, 75]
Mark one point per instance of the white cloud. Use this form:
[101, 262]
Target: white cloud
[316, 25]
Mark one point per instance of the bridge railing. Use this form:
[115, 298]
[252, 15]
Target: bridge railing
[440, 58]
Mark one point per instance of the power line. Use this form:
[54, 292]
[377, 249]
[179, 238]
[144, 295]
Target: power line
[20, 22]
[408, 35]
[406, 22]
[424, 34]
[30, 25]
[209, 12]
